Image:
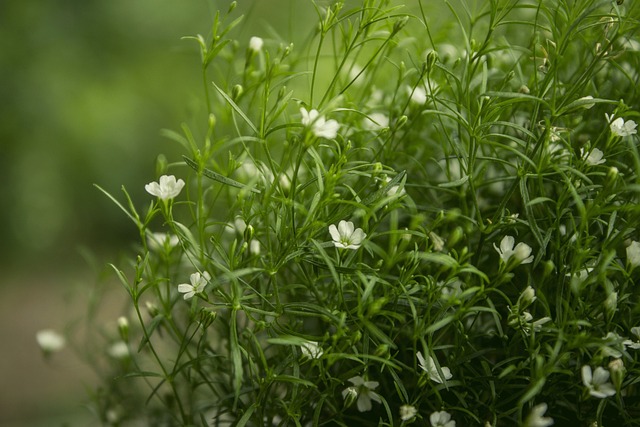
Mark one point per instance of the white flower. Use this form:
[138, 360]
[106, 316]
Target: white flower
[255, 44]
[50, 341]
[429, 366]
[522, 251]
[168, 188]
[311, 349]
[346, 236]
[418, 94]
[635, 345]
[319, 126]
[407, 412]
[633, 254]
[621, 128]
[157, 241]
[198, 282]
[536, 417]
[597, 383]
[118, 350]
[254, 247]
[595, 157]
[375, 122]
[364, 390]
[441, 419]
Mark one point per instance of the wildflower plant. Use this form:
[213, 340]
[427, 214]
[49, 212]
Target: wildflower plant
[424, 212]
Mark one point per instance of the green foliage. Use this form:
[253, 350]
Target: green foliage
[452, 137]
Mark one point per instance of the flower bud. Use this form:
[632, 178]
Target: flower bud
[350, 395]
[617, 370]
[527, 297]
[123, 328]
[237, 92]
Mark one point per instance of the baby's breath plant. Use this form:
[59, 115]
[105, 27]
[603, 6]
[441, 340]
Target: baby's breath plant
[422, 214]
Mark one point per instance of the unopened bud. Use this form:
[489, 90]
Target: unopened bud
[237, 92]
[123, 328]
[527, 297]
[350, 395]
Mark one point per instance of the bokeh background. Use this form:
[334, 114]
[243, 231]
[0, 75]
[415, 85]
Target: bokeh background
[85, 89]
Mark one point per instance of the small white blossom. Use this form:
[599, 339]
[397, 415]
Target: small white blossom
[635, 345]
[320, 127]
[254, 247]
[407, 412]
[198, 282]
[346, 236]
[364, 390]
[50, 341]
[536, 417]
[418, 95]
[441, 419]
[118, 350]
[255, 44]
[521, 251]
[157, 241]
[167, 187]
[311, 349]
[597, 382]
[620, 127]
[375, 122]
[436, 241]
[595, 157]
[633, 254]
[429, 366]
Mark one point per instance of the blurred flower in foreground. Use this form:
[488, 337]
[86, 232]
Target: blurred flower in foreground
[166, 189]
[198, 282]
[320, 127]
[255, 44]
[597, 382]
[429, 366]
[363, 390]
[50, 341]
[157, 241]
[522, 251]
[619, 127]
[311, 349]
[407, 412]
[536, 417]
[633, 254]
[119, 350]
[346, 236]
[595, 157]
[441, 419]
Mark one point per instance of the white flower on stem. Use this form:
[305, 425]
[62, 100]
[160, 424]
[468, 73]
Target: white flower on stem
[635, 345]
[417, 95]
[346, 236]
[198, 283]
[375, 122]
[521, 252]
[407, 412]
[633, 254]
[118, 350]
[167, 187]
[364, 391]
[50, 341]
[311, 349]
[597, 382]
[254, 247]
[157, 241]
[595, 157]
[441, 419]
[536, 417]
[429, 366]
[320, 127]
[255, 44]
[620, 127]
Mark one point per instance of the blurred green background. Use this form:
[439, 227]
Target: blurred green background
[85, 89]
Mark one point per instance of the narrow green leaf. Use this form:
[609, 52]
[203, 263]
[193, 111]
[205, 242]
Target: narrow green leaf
[236, 108]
